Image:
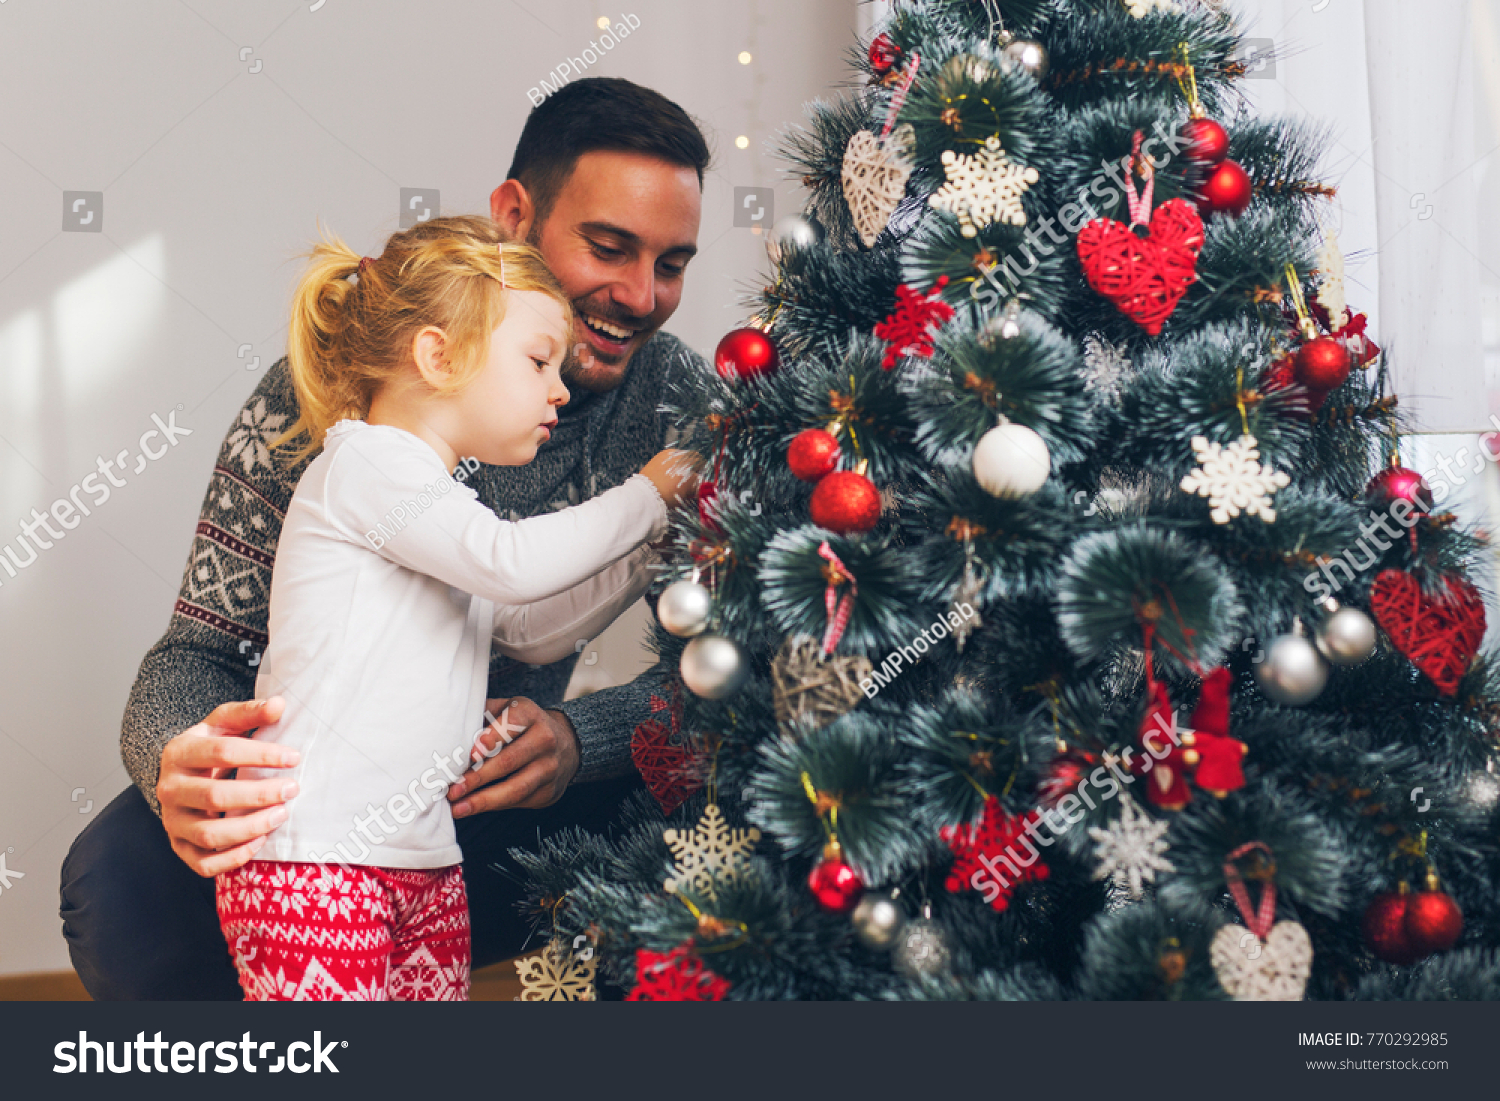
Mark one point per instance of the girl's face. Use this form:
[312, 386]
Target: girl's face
[511, 406]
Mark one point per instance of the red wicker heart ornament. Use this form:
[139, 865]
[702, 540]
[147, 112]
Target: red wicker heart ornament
[1145, 277]
[671, 772]
[1440, 636]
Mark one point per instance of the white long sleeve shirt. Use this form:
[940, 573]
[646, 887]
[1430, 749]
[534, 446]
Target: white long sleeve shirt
[390, 580]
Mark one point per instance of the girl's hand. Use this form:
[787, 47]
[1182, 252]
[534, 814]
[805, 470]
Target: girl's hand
[675, 475]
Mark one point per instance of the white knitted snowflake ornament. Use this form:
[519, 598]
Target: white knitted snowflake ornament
[1132, 849]
[1233, 480]
[983, 187]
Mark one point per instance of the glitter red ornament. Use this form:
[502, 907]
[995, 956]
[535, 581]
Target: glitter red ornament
[1226, 190]
[1207, 141]
[835, 885]
[745, 353]
[1397, 483]
[845, 502]
[1433, 920]
[1384, 927]
[812, 454]
[1321, 365]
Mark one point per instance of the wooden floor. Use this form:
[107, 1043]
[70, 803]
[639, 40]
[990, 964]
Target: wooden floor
[497, 983]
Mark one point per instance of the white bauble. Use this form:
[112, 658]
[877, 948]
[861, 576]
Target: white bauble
[1011, 461]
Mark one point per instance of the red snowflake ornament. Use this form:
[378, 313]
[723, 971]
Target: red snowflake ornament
[675, 976]
[992, 855]
[908, 330]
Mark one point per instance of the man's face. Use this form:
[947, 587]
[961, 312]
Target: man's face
[618, 238]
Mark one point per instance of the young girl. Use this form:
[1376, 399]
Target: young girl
[390, 581]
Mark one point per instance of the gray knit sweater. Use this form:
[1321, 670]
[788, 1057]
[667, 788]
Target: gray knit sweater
[209, 653]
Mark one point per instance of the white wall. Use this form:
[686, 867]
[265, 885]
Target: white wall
[214, 177]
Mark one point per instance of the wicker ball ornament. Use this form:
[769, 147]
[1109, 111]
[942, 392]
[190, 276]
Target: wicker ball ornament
[845, 502]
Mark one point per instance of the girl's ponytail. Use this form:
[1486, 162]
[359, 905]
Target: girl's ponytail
[347, 339]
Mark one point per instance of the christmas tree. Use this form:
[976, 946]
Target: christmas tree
[1058, 619]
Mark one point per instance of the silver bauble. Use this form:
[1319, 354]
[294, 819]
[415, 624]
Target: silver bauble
[1293, 672]
[1029, 55]
[1011, 461]
[684, 607]
[713, 666]
[877, 921]
[921, 950]
[797, 230]
[1347, 637]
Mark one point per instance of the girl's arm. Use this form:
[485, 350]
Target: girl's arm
[375, 490]
[549, 630]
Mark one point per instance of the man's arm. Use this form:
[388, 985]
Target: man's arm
[186, 719]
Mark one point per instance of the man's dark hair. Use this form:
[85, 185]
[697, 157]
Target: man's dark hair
[600, 113]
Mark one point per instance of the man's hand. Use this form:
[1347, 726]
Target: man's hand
[195, 798]
[526, 758]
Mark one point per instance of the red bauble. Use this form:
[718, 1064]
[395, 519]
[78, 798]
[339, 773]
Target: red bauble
[708, 491]
[1227, 189]
[1384, 927]
[1397, 483]
[1433, 921]
[835, 885]
[1208, 142]
[1321, 365]
[745, 353]
[845, 502]
[812, 454]
[883, 54]
[1281, 375]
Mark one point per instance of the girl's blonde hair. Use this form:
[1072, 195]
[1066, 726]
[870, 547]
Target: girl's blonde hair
[348, 338]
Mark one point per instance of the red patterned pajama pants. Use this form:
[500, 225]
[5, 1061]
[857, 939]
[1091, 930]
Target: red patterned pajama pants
[330, 932]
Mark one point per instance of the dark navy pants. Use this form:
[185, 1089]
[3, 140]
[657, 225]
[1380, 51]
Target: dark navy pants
[141, 925]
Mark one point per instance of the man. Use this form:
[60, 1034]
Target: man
[607, 182]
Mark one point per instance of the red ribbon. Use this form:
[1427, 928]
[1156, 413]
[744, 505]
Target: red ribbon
[838, 610]
[1260, 921]
[1140, 205]
[899, 98]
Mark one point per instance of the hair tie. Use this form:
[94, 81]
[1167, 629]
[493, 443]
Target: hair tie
[363, 260]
